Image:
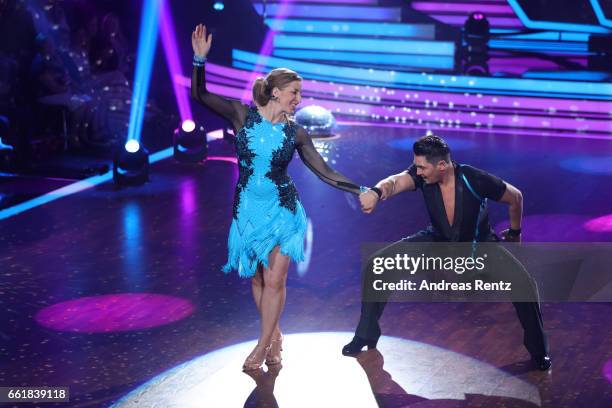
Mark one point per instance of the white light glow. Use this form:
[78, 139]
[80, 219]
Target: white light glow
[132, 146]
[188, 125]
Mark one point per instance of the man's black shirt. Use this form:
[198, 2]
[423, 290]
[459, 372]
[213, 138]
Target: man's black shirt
[467, 206]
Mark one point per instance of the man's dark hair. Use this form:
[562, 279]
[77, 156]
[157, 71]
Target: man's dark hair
[434, 148]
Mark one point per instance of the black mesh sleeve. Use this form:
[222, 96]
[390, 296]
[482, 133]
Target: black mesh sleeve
[313, 160]
[232, 110]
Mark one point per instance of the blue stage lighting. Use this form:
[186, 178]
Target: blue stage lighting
[219, 6]
[330, 11]
[600, 13]
[415, 47]
[147, 42]
[405, 60]
[352, 28]
[190, 145]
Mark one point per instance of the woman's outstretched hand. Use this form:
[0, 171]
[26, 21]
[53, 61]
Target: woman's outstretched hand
[368, 201]
[200, 41]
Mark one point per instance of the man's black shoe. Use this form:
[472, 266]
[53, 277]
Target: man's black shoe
[543, 363]
[357, 344]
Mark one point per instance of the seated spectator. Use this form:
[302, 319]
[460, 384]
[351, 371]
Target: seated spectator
[112, 35]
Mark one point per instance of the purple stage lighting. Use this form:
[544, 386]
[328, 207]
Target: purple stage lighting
[555, 228]
[600, 224]
[169, 43]
[114, 313]
[607, 370]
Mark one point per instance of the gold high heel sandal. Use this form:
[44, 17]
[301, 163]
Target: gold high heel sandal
[274, 356]
[256, 358]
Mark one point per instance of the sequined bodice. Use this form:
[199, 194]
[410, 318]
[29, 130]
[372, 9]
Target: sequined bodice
[264, 151]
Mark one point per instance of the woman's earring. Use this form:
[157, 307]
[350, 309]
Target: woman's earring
[274, 98]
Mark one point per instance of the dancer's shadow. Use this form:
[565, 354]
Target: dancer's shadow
[518, 368]
[387, 392]
[263, 394]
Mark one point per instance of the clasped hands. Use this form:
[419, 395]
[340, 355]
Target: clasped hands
[369, 198]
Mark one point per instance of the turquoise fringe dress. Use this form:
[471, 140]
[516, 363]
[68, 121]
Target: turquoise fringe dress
[267, 211]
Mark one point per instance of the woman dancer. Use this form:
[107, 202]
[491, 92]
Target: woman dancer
[269, 221]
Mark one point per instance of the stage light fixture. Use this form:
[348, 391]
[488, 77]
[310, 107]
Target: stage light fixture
[190, 145]
[131, 165]
[218, 5]
[476, 27]
[475, 45]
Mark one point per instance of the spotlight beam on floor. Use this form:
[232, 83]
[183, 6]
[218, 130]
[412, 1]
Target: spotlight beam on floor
[147, 42]
[168, 38]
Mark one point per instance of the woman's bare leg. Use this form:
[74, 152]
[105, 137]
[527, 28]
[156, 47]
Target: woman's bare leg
[272, 301]
[273, 295]
[257, 286]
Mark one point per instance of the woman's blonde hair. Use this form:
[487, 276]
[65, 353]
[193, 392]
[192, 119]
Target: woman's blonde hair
[277, 78]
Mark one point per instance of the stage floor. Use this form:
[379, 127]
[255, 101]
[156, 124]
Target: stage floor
[116, 292]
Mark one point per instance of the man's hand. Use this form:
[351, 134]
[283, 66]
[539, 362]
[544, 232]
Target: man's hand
[506, 237]
[387, 187]
[368, 201]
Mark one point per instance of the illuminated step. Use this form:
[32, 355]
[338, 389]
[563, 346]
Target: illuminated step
[556, 47]
[403, 60]
[443, 82]
[364, 45]
[570, 75]
[455, 13]
[330, 12]
[397, 97]
[463, 7]
[459, 20]
[375, 112]
[546, 36]
[362, 2]
[422, 31]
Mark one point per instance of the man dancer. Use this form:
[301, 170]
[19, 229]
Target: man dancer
[455, 197]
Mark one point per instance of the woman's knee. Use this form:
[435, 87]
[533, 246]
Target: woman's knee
[275, 279]
[275, 285]
[257, 279]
